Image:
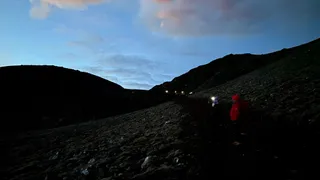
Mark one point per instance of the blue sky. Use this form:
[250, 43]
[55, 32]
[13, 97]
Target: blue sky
[141, 43]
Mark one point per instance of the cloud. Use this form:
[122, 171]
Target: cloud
[65, 30]
[71, 3]
[128, 61]
[125, 77]
[112, 78]
[133, 67]
[89, 42]
[40, 9]
[166, 77]
[134, 85]
[68, 56]
[202, 17]
[130, 74]
[131, 71]
[229, 17]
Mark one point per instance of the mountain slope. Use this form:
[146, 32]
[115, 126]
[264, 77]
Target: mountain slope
[37, 97]
[292, 80]
[224, 69]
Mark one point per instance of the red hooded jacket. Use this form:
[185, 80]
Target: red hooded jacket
[239, 106]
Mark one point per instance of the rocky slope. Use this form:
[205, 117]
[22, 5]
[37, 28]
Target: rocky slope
[114, 148]
[225, 69]
[287, 88]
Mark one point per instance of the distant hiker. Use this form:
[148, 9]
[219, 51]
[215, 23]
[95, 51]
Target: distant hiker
[218, 112]
[239, 113]
[214, 101]
[215, 116]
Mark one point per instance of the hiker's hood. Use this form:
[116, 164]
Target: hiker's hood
[236, 97]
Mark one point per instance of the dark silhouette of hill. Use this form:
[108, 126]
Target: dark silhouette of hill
[224, 69]
[36, 97]
[31, 80]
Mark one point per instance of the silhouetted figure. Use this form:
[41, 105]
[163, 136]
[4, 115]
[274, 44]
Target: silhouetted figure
[215, 101]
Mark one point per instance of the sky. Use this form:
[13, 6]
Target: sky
[142, 43]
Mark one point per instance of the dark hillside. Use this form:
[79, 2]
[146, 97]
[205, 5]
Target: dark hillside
[283, 87]
[50, 80]
[36, 97]
[224, 69]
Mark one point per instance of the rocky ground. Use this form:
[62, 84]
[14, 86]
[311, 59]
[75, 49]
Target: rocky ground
[185, 139]
[146, 144]
[270, 149]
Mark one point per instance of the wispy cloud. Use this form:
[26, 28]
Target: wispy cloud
[130, 79]
[89, 42]
[135, 85]
[130, 75]
[130, 67]
[68, 56]
[131, 70]
[231, 17]
[128, 61]
[111, 78]
[40, 9]
[65, 30]
[125, 77]
[202, 17]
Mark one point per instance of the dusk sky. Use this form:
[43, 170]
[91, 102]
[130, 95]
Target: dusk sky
[141, 43]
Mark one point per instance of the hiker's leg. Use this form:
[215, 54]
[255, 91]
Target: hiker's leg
[234, 130]
[243, 127]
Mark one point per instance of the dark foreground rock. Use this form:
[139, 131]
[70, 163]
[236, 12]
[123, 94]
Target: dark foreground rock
[146, 144]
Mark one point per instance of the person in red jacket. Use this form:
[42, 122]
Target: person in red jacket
[239, 108]
[239, 113]
[235, 109]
